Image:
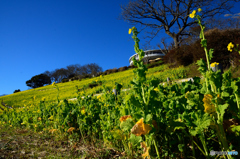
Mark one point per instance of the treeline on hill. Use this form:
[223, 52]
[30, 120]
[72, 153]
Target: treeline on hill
[217, 39]
[76, 72]
[64, 74]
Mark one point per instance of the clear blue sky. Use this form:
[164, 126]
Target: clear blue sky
[41, 35]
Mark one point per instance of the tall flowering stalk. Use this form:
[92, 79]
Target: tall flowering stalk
[211, 98]
[143, 92]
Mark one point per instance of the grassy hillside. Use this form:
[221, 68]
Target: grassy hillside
[68, 90]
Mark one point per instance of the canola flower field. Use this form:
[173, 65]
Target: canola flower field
[68, 90]
[188, 120]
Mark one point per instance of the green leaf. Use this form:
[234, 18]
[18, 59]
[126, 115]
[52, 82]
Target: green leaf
[202, 122]
[135, 140]
[235, 129]
[148, 118]
[175, 125]
[202, 66]
[221, 111]
[127, 124]
[203, 43]
[180, 147]
[211, 54]
[225, 94]
[201, 35]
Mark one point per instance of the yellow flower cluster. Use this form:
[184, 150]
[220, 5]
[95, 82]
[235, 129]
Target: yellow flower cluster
[53, 130]
[230, 46]
[214, 64]
[50, 118]
[83, 111]
[140, 128]
[192, 15]
[209, 107]
[156, 89]
[71, 129]
[130, 30]
[99, 96]
[124, 118]
[145, 150]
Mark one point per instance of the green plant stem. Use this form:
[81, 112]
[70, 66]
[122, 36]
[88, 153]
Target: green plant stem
[205, 48]
[154, 142]
[82, 134]
[193, 149]
[202, 138]
[223, 137]
[143, 94]
[237, 101]
[199, 148]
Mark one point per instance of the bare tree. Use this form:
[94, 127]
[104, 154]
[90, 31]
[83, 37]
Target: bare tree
[166, 46]
[172, 15]
[232, 22]
[94, 68]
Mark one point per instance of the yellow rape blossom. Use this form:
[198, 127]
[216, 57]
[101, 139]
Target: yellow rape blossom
[53, 130]
[209, 107]
[124, 118]
[130, 30]
[39, 118]
[230, 46]
[192, 15]
[83, 110]
[50, 118]
[53, 84]
[156, 89]
[140, 128]
[214, 64]
[71, 129]
[199, 9]
[145, 150]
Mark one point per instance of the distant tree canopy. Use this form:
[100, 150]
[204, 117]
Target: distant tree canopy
[38, 81]
[73, 70]
[17, 90]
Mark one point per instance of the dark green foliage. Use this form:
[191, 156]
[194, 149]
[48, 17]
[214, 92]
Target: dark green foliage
[94, 84]
[65, 80]
[154, 64]
[17, 90]
[114, 70]
[122, 68]
[38, 81]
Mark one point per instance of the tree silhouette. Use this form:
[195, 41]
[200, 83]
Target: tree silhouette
[171, 16]
[38, 81]
[17, 90]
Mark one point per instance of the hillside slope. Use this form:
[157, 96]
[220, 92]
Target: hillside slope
[89, 86]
